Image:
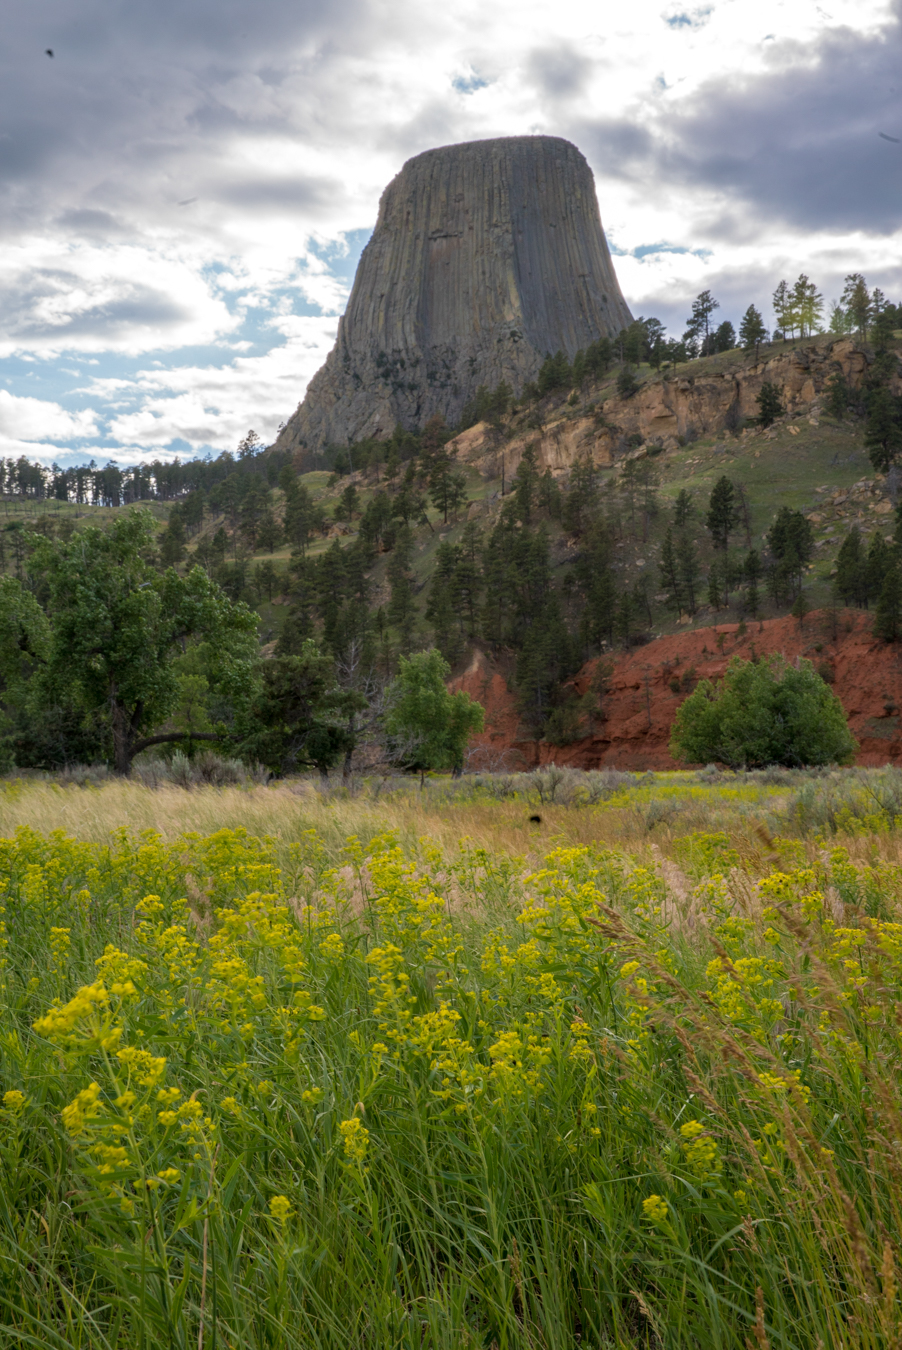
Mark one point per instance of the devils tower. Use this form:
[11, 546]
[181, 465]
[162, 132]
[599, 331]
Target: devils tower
[485, 257]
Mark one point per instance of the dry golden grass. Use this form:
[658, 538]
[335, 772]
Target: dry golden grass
[285, 810]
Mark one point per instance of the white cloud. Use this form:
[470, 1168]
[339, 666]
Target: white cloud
[25, 421]
[215, 406]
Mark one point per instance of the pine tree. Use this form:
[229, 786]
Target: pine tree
[670, 573]
[725, 337]
[582, 498]
[524, 489]
[840, 396]
[467, 581]
[722, 515]
[770, 405]
[807, 305]
[883, 428]
[751, 330]
[851, 569]
[682, 509]
[447, 485]
[627, 384]
[348, 504]
[401, 605]
[857, 302]
[716, 598]
[782, 303]
[791, 541]
[699, 323]
[687, 561]
[888, 619]
[440, 608]
[879, 563]
[752, 572]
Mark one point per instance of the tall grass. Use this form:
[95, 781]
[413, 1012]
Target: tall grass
[285, 1092]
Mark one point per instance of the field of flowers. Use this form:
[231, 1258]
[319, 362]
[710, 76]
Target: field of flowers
[280, 1092]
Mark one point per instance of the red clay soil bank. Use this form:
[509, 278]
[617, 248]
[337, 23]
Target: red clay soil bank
[639, 706]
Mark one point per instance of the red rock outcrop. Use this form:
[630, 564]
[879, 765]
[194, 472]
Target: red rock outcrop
[647, 685]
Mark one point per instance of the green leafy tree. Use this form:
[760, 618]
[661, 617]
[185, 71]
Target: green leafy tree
[752, 331]
[770, 404]
[117, 629]
[761, 713]
[723, 514]
[427, 727]
[299, 716]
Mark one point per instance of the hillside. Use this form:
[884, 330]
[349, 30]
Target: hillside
[632, 700]
[559, 541]
[403, 582]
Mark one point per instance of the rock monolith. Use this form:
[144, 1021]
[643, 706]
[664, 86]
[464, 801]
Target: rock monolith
[485, 257]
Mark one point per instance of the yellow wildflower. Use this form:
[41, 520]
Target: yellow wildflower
[280, 1208]
[356, 1139]
[654, 1207]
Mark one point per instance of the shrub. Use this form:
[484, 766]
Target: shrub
[763, 713]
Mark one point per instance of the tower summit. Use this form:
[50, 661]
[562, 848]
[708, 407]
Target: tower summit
[486, 256]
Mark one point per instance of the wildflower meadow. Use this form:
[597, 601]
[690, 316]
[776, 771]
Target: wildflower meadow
[296, 1090]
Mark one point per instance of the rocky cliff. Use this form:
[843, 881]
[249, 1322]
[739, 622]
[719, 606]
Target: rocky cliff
[705, 398]
[485, 257]
[645, 687]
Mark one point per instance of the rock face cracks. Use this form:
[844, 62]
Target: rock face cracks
[485, 257]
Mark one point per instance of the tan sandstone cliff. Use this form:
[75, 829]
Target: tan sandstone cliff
[695, 400]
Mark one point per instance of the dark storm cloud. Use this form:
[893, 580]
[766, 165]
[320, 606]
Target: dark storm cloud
[799, 143]
[306, 194]
[559, 72]
[25, 310]
[143, 89]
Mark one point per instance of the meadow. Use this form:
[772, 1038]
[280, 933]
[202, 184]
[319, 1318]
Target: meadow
[537, 1061]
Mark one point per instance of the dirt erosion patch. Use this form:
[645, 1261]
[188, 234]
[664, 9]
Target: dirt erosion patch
[648, 684]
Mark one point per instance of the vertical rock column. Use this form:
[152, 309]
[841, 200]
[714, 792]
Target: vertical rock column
[485, 257]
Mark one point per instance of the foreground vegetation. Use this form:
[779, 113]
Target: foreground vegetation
[623, 1073]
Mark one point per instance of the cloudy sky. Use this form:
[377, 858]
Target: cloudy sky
[185, 187]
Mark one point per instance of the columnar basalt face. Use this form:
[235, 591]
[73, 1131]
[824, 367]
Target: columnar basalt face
[485, 257]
